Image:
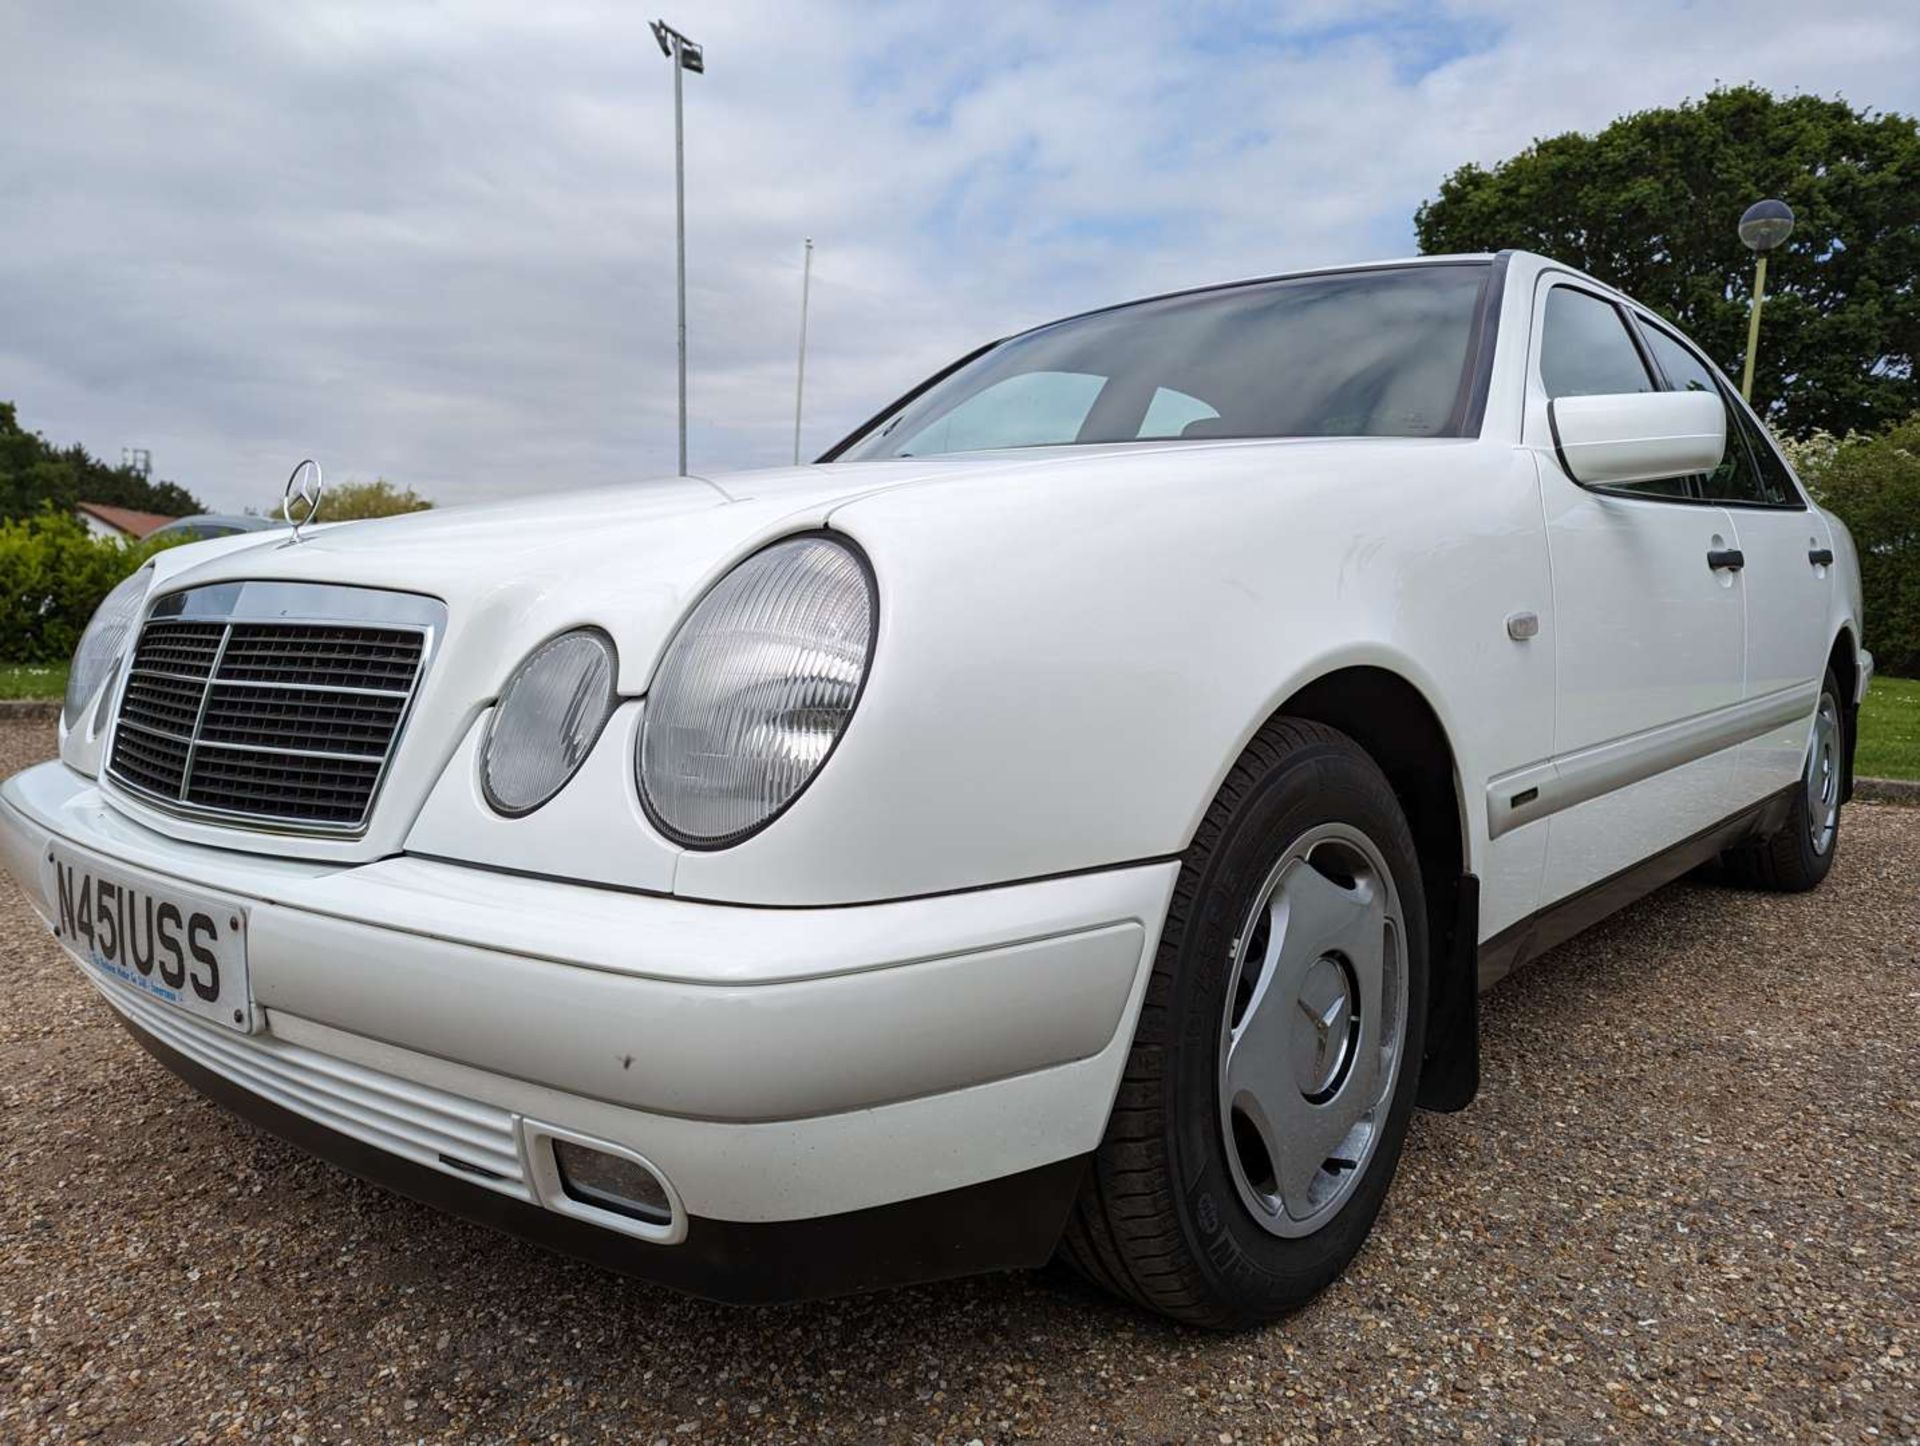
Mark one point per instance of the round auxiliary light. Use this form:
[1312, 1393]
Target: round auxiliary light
[103, 642]
[549, 717]
[755, 690]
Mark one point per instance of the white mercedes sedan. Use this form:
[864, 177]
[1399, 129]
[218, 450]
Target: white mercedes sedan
[1073, 817]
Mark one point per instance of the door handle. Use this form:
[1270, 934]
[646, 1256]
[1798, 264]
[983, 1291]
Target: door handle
[1731, 558]
[1820, 556]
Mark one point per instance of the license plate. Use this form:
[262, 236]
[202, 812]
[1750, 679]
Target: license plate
[170, 943]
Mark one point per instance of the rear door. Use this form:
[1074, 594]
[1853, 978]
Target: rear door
[1786, 581]
[1651, 635]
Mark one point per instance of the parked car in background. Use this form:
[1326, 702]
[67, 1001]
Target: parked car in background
[1075, 815]
[204, 525]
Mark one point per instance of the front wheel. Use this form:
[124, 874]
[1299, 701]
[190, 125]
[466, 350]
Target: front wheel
[1274, 1068]
[1798, 857]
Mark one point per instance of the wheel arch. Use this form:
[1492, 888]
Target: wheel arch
[1393, 720]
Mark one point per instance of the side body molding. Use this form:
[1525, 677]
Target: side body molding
[1540, 789]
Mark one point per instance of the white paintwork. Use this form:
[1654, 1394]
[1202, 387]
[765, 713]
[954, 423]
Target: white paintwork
[1788, 604]
[567, 835]
[774, 1064]
[1608, 441]
[1069, 662]
[864, 1002]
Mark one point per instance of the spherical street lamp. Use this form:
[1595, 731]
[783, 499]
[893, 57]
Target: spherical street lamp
[1765, 224]
[1763, 227]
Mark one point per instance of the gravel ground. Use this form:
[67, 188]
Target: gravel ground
[1686, 1204]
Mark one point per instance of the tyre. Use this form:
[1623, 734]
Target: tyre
[1276, 1060]
[1797, 858]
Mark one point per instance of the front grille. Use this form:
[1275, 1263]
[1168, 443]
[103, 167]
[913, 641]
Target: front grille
[280, 722]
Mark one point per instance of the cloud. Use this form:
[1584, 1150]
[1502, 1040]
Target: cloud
[435, 242]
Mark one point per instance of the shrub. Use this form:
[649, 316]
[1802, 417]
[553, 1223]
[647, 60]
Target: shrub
[53, 574]
[353, 501]
[1810, 455]
[1872, 483]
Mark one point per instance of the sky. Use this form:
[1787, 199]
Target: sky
[434, 242]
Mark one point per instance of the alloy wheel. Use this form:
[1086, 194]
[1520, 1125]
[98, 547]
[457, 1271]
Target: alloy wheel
[1313, 1029]
[1823, 775]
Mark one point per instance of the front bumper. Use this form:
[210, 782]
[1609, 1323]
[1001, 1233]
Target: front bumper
[838, 1098]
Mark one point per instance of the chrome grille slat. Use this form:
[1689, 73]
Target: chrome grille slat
[205, 742]
[355, 725]
[287, 721]
[185, 739]
[140, 673]
[346, 692]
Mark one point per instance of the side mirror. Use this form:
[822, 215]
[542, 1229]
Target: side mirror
[1638, 436]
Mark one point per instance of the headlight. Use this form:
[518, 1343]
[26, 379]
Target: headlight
[547, 720]
[755, 690]
[103, 642]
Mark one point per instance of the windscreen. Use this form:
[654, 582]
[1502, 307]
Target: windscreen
[1379, 353]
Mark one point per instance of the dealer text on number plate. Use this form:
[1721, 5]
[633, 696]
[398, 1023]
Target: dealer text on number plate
[149, 935]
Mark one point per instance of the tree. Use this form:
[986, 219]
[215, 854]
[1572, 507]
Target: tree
[1872, 483]
[34, 474]
[1651, 204]
[347, 501]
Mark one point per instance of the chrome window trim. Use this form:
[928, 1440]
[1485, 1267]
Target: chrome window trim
[262, 601]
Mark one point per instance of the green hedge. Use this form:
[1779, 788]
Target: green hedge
[53, 574]
[1872, 483]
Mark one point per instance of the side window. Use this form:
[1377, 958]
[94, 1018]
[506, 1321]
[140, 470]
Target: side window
[1775, 480]
[1735, 479]
[1028, 410]
[1585, 350]
[1170, 413]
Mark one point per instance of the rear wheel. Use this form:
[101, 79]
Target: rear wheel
[1275, 1064]
[1798, 857]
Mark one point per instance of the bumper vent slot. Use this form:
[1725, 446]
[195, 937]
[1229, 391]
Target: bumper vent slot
[418, 1123]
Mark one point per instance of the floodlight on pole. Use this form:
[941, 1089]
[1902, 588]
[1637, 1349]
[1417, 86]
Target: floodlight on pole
[685, 56]
[1765, 225]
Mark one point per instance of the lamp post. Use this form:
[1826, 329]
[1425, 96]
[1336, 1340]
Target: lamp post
[800, 376]
[1763, 227]
[685, 55]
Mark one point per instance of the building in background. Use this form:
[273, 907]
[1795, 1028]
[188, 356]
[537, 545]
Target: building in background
[123, 523]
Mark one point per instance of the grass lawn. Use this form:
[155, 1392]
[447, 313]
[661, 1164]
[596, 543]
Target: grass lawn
[33, 680]
[1890, 730]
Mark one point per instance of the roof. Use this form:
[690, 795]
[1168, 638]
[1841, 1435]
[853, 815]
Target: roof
[124, 519]
[1401, 263]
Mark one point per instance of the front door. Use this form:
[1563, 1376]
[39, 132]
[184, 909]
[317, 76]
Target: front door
[1651, 632]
